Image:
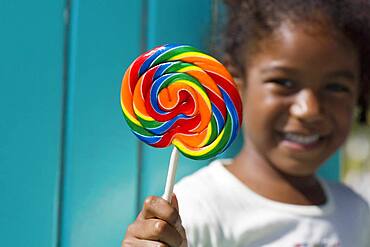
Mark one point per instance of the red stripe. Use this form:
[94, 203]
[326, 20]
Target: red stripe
[182, 126]
[231, 90]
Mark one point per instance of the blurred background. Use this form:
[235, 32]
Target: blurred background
[71, 172]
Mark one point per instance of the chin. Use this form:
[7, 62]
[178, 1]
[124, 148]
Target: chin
[299, 173]
[299, 168]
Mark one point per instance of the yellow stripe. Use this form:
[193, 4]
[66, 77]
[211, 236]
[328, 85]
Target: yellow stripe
[129, 116]
[141, 115]
[200, 152]
[191, 54]
[190, 68]
[199, 90]
[206, 139]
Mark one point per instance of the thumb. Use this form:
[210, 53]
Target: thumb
[174, 202]
[178, 225]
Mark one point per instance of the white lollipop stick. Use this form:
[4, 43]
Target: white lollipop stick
[171, 175]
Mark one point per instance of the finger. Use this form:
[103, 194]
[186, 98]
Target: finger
[184, 243]
[157, 207]
[175, 202]
[164, 232]
[155, 230]
[134, 242]
[178, 224]
[181, 230]
[150, 212]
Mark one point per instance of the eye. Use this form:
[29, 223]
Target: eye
[286, 83]
[338, 88]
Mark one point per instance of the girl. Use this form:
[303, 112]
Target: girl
[302, 67]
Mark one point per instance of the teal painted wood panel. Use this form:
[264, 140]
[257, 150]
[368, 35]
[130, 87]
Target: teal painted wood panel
[31, 77]
[187, 22]
[101, 153]
[331, 169]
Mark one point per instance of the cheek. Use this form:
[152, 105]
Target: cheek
[262, 107]
[262, 114]
[343, 120]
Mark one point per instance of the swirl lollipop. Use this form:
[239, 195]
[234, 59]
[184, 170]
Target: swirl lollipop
[175, 94]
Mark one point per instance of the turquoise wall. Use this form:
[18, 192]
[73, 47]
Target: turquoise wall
[31, 99]
[71, 172]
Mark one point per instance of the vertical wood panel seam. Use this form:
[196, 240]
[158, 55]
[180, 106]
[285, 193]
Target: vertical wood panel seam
[214, 25]
[143, 48]
[61, 178]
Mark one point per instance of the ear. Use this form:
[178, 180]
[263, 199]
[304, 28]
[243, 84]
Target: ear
[235, 72]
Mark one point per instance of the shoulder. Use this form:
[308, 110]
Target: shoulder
[347, 199]
[199, 195]
[341, 191]
[197, 192]
[202, 184]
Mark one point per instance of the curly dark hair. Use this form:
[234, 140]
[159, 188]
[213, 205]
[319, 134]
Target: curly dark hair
[252, 20]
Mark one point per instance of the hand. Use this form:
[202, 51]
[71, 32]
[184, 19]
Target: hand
[158, 224]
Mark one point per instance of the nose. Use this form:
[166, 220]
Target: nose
[306, 106]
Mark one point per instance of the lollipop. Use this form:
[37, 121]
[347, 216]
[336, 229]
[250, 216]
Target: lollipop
[175, 94]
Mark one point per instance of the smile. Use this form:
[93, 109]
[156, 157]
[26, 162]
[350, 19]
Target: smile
[301, 139]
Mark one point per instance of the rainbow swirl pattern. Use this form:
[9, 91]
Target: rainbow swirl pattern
[175, 94]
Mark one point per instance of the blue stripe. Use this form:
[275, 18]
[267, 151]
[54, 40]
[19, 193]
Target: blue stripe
[148, 139]
[146, 65]
[156, 86]
[219, 118]
[160, 130]
[231, 109]
[161, 69]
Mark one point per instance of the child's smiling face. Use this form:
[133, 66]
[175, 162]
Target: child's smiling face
[301, 92]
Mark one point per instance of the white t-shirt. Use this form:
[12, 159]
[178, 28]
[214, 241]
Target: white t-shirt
[217, 209]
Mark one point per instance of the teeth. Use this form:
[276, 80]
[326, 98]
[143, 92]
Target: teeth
[301, 139]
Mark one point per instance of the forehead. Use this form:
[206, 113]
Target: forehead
[306, 46]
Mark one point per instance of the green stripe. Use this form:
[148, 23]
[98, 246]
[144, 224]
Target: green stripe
[176, 66]
[181, 76]
[172, 53]
[149, 124]
[220, 147]
[214, 131]
[138, 129]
